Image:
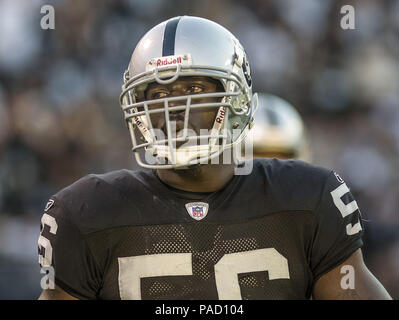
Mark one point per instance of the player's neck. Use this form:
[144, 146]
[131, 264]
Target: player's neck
[204, 178]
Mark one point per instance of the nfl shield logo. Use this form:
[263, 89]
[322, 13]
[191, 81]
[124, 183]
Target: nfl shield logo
[197, 210]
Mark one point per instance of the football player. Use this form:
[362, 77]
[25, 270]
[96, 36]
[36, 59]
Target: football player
[279, 131]
[190, 225]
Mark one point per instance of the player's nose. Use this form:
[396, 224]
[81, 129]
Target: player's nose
[178, 102]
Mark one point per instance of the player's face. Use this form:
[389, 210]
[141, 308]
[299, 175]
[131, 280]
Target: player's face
[199, 118]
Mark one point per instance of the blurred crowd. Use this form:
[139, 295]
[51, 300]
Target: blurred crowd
[60, 116]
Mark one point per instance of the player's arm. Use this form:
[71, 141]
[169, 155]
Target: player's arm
[55, 294]
[336, 259]
[63, 247]
[335, 285]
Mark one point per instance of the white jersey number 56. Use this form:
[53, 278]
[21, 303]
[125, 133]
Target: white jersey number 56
[132, 269]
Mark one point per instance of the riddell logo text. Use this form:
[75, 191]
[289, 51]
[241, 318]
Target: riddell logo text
[220, 117]
[167, 61]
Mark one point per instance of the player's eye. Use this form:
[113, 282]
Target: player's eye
[194, 89]
[159, 94]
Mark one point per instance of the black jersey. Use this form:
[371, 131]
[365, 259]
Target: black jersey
[267, 235]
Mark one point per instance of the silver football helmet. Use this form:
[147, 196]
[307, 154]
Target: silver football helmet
[279, 131]
[183, 47]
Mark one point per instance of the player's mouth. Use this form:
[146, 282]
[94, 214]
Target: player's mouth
[177, 127]
[177, 131]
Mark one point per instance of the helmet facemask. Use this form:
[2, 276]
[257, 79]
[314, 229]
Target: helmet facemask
[168, 148]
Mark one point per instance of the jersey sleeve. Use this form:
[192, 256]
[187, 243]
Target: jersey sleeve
[63, 247]
[337, 229]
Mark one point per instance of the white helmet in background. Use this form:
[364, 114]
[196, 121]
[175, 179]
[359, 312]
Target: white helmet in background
[180, 47]
[279, 131]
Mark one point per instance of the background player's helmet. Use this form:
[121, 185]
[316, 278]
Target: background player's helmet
[279, 131]
[178, 47]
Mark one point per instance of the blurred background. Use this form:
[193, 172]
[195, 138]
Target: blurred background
[60, 118]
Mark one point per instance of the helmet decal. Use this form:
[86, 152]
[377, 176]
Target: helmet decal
[247, 71]
[168, 44]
